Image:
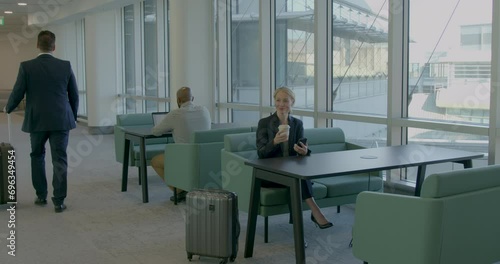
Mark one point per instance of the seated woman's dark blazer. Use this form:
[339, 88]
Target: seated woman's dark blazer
[266, 131]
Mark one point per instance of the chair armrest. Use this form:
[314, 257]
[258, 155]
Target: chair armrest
[352, 146]
[181, 166]
[393, 229]
[236, 177]
[119, 143]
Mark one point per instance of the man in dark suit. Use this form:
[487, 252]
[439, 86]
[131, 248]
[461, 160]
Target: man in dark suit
[51, 111]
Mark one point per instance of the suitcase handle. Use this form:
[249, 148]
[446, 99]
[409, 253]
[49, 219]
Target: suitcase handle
[8, 125]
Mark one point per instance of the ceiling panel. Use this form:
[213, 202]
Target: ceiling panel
[17, 20]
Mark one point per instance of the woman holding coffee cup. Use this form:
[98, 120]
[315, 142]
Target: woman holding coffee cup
[277, 136]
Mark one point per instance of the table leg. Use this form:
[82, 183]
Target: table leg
[125, 165]
[298, 224]
[467, 163]
[253, 210]
[144, 176]
[420, 179]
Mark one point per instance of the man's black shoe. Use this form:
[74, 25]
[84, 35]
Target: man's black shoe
[40, 201]
[60, 208]
[180, 197]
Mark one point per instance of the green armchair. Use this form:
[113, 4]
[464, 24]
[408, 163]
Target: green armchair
[456, 220]
[196, 164]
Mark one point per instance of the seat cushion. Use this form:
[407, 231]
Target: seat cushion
[279, 196]
[350, 184]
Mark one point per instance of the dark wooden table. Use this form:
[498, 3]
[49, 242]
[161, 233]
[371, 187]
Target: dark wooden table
[138, 134]
[289, 171]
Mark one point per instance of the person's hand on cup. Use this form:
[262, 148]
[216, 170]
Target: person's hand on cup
[281, 136]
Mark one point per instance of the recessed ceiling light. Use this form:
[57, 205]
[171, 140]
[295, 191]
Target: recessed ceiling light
[22, 4]
[8, 12]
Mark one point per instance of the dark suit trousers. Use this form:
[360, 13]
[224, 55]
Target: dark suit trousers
[306, 187]
[58, 141]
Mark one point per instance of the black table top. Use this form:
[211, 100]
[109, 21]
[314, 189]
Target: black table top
[142, 131]
[361, 160]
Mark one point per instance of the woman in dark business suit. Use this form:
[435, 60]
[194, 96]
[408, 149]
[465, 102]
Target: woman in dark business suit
[272, 143]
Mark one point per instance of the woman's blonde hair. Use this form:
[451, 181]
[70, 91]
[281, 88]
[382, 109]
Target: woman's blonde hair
[286, 90]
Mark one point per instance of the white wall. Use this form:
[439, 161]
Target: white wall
[101, 67]
[191, 50]
[65, 42]
[22, 47]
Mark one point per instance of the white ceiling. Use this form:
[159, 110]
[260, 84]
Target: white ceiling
[17, 20]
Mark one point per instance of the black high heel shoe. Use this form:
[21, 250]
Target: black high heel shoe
[324, 226]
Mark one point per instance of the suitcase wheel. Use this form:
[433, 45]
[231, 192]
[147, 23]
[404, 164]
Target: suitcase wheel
[232, 258]
[224, 261]
[190, 256]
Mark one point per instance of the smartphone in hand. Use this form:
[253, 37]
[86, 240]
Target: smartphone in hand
[303, 140]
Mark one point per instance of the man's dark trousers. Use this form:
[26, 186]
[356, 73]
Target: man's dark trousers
[58, 141]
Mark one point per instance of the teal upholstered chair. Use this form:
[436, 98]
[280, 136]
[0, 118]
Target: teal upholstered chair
[196, 164]
[456, 220]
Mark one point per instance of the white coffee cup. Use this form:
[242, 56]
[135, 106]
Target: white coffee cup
[284, 129]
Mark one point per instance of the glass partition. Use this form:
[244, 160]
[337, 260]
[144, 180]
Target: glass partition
[294, 38]
[450, 71]
[245, 50]
[129, 58]
[150, 54]
[360, 56]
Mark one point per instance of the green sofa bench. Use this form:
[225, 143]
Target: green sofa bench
[332, 191]
[456, 220]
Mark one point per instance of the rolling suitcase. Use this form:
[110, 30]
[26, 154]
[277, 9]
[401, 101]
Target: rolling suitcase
[8, 191]
[212, 224]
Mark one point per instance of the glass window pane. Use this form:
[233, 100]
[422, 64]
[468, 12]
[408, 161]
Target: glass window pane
[246, 117]
[294, 38]
[129, 57]
[450, 140]
[363, 134]
[79, 66]
[245, 50]
[150, 54]
[452, 80]
[360, 57]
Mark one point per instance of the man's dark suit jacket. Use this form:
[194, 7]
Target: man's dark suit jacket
[51, 94]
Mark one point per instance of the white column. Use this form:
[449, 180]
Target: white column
[192, 50]
[101, 32]
[494, 135]
[267, 55]
[398, 73]
[322, 59]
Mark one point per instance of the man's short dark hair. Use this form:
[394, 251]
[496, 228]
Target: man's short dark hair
[46, 41]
